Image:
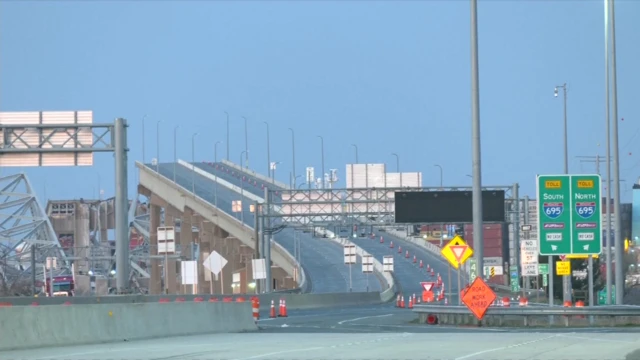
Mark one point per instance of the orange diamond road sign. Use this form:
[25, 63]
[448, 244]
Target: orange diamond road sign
[479, 297]
[457, 252]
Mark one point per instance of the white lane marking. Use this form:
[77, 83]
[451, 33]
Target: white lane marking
[362, 318]
[595, 339]
[114, 349]
[281, 352]
[504, 347]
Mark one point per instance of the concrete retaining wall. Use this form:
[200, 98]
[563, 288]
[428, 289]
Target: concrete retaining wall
[37, 326]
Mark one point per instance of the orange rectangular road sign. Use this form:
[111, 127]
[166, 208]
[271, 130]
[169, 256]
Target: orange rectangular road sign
[478, 297]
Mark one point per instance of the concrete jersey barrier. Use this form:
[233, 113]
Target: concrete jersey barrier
[35, 326]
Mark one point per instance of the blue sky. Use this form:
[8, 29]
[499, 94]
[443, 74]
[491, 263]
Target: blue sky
[389, 76]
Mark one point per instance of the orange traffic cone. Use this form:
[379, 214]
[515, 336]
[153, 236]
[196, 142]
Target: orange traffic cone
[391, 245]
[399, 249]
[402, 302]
[415, 260]
[284, 307]
[398, 301]
[421, 264]
[280, 309]
[432, 273]
[410, 302]
[406, 255]
[381, 240]
[428, 267]
[419, 300]
[272, 312]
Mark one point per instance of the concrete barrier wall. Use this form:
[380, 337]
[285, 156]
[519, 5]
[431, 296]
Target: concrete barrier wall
[294, 301]
[255, 174]
[29, 327]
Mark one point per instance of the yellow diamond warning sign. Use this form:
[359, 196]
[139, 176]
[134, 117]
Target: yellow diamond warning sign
[457, 252]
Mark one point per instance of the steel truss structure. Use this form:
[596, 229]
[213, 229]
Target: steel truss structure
[334, 207]
[23, 225]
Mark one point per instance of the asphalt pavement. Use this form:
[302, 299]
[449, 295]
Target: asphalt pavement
[322, 260]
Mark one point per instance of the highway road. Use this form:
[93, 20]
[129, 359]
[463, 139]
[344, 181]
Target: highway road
[376, 332]
[409, 275]
[321, 259]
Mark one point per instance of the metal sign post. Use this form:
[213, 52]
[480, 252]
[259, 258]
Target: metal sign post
[367, 266]
[350, 259]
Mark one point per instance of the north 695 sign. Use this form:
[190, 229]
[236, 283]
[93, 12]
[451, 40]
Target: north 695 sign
[569, 218]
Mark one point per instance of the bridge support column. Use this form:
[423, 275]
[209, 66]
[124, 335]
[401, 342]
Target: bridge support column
[186, 244]
[170, 273]
[155, 286]
[205, 278]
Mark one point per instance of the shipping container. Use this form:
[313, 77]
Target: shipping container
[498, 280]
[493, 252]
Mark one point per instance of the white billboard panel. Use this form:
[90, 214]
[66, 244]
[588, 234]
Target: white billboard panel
[364, 176]
[72, 137]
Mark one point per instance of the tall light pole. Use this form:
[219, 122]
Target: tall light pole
[398, 167]
[620, 280]
[175, 151]
[215, 174]
[322, 154]
[158, 146]
[352, 169]
[609, 270]
[242, 189]
[269, 172]
[293, 154]
[143, 136]
[566, 141]
[475, 141]
[193, 160]
[566, 280]
[439, 167]
[246, 140]
[226, 113]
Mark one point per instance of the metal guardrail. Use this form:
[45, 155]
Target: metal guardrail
[535, 310]
[536, 316]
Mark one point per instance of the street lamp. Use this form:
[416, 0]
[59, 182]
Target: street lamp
[398, 166]
[268, 151]
[439, 167]
[322, 153]
[175, 151]
[293, 154]
[242, 188]
[226, 113]
[246, 141]
[158, 146]
[193, 160]
[215, 174]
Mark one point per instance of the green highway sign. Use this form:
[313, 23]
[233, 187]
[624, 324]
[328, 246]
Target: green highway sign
[569, 214]
[473, 270]
[543, 269]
